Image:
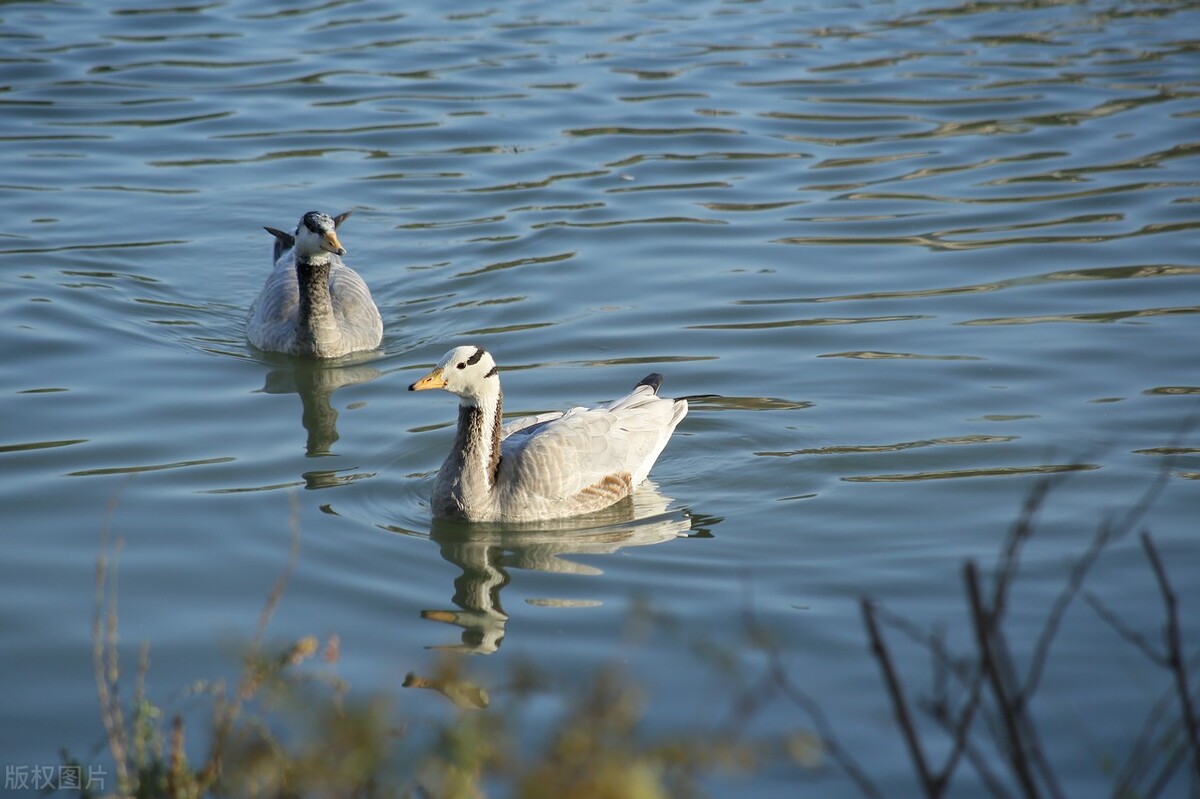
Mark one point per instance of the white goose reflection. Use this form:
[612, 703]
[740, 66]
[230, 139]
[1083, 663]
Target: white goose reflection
[485, 553]
[315, 383]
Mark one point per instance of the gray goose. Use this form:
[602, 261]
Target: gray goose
[313, 304]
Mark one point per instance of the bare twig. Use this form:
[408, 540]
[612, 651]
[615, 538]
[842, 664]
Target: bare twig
[1150, 738]
[139, 707]
[1108, 532]
[1175, 651]
[931, 785]
[824, 728]
[996, 663]
[1167, 774]
[177, 773]
[971, 678]
[962, 729]
[776, 682]
[281, 581]
[1058, 610]
[963, 748]
[1125, 631]
[1022, 531]
[997, 694]
[105, 663]
[982, 622]
[962, 668]
[103, 654]
[746, 704]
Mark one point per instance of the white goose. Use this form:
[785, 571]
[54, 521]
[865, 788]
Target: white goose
[313, 304]
[546, 466]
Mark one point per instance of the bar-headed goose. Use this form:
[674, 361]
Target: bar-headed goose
[313, 304]
[546, 466]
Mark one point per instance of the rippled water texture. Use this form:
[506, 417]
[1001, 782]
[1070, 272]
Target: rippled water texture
[923, 255]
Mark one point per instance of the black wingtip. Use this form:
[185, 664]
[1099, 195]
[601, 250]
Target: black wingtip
[654, 380]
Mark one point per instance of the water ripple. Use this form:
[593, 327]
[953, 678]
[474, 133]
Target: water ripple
[34, 445]
[812, 322]
[1132, 272]
[877, 448]
[158, 467]
[958, 474]
[1000, 199]
[1106, 316]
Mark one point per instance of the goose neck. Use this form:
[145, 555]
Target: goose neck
[478, 440]
[316, 323]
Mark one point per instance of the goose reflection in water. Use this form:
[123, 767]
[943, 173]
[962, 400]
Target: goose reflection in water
[485, 553]
[315, 382]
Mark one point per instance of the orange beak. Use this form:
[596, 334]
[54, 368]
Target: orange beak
[332, 244]
[434, 379]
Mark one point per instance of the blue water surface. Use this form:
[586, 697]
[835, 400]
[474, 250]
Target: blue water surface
[923, 256]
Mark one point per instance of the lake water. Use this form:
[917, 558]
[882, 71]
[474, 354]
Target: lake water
[924, 254]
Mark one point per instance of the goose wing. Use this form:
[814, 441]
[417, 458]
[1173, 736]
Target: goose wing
[354, 307]
[526, 425]
[271, 322]
[587, 457]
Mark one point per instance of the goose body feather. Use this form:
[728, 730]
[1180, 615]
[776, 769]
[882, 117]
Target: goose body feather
[549, 465]
[278, 320]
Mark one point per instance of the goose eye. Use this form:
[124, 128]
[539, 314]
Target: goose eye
[461, 366]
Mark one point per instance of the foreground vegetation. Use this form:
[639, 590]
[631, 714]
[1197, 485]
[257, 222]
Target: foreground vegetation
[289, 727]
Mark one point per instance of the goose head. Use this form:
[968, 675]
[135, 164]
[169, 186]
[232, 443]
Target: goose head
[316, 236]
[469, 371]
